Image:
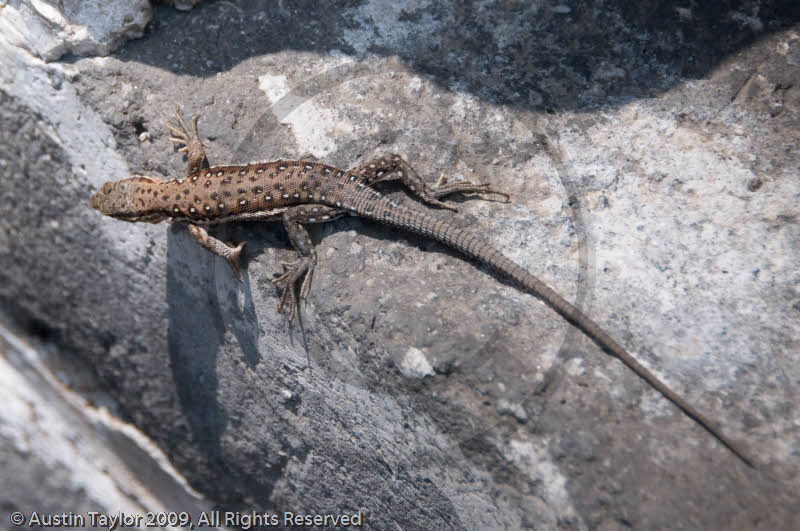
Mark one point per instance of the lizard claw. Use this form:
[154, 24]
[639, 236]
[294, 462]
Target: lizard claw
[233, 260]
[465, 187]
[188, 141]
[303, 268]
[435, 202]
[182, 135]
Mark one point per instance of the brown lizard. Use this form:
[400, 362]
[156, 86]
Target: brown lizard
[302, 192]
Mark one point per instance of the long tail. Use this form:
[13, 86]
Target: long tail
[381, 209]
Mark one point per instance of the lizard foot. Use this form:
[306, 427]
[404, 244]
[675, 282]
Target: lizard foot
[189, 140]
[232, 257]
[182, 135]
[303, 267]
[442, 189]
[229, 253]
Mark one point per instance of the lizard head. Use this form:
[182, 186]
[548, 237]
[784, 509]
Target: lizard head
[118, 199]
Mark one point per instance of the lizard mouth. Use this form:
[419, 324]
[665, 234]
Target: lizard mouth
[96, 201]
[149, 217]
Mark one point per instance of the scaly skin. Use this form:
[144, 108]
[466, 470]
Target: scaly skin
[301, 192]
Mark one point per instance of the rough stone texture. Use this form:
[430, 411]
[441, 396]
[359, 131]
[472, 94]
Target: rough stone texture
[49, 29]
[62, 456]
[652, 156]
[183, 5]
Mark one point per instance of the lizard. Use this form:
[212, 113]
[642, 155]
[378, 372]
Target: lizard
[300, 192]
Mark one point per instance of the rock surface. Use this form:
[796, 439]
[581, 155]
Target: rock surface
[50, 29]
[652, 156]
[63, 456]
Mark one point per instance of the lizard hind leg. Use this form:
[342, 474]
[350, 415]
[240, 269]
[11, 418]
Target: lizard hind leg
[189, 140]
[303, 267]
[381, 168]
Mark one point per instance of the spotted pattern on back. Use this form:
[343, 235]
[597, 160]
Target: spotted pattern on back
[226, 191]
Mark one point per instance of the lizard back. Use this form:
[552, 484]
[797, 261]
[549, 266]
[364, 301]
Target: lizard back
[223, 193]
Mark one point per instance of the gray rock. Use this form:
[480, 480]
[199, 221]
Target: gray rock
[651, 152]
[50, 29]
[66, 458]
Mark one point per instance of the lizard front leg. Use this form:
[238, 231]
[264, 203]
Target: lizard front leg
[394, 165]
[303, 267]
[190, 142]
[229, 253]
